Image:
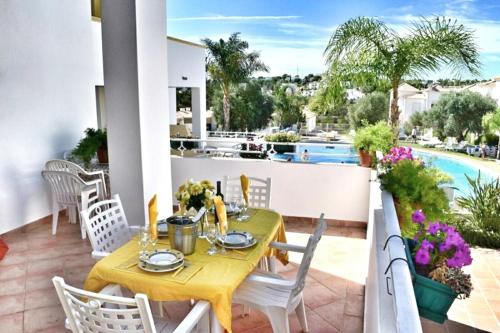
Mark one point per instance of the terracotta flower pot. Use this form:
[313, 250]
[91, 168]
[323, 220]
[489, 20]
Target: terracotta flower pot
[102, 155]
[365, 159]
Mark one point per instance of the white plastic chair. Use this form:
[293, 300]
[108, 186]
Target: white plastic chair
[275, 296]
[107, 226]
[63, 165]
[259, 195]
[67, 190]
[109, 312]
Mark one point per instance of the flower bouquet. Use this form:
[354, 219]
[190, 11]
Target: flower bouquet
[436, 255]
[195, 195]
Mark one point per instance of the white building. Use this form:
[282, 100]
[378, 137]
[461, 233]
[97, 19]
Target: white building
[411, 99]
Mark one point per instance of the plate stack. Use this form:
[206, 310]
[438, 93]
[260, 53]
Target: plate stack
[161, 261]
[237, 240]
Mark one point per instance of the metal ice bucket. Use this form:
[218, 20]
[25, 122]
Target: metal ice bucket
[182, 232]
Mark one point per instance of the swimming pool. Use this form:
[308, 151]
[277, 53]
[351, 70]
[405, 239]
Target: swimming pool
[456, 168]
[321, 154]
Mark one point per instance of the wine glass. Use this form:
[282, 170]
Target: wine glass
[143, 241]
[242, 204]
[212, 234]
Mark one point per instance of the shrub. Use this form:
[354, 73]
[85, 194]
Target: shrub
[371, 108]
[473, 234]
[415, 186]
[372, 138]
[282, 137]
[483, 204]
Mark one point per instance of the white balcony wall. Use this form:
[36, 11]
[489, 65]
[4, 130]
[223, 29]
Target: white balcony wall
[50, 63]
[340, 191]
[186, 64]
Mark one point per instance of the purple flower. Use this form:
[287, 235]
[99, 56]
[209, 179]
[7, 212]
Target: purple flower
[434, 228]
[422, 256]
[418, 217]
[427, 245]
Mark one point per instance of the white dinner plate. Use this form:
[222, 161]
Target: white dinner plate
[154, 269]
[163, 258]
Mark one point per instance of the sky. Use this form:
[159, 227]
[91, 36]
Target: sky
[291, 35]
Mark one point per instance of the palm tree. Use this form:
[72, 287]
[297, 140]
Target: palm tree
[229, 63]
[363, 48]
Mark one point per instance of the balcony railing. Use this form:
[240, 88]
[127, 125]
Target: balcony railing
[235, 146]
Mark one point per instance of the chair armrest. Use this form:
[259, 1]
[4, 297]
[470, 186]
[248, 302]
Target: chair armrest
[99, 254]
[194, 317]
[288, 247]
[270, 281]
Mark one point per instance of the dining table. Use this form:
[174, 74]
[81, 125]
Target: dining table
[212, 278]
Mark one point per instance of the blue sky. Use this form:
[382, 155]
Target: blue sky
[291, 35]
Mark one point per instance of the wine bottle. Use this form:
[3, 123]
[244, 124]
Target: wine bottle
[219, 193]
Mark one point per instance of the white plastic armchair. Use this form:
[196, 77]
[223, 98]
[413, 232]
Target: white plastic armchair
[107, 226]
[259, 195]
[95, 176]
[108, 311]
[67, 190]
[275, 296]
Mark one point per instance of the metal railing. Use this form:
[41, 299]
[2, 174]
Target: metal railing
[231, 134]
[251, 146]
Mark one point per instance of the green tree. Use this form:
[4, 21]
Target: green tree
[457, 114]
[491, 125]
[251, 109]
[229, 63]
[364, 47]
[370, 109]
[288, 108]
[416, 120]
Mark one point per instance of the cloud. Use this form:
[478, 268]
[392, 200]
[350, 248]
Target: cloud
[234, 18]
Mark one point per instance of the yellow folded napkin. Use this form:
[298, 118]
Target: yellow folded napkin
[245, 186]
[220, 210]
[153, 214]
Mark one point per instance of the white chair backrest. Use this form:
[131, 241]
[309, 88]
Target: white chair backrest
[66, 187]
[259, 195]
[86, 312]
[106, 224]
[63, 165]
[308, 256]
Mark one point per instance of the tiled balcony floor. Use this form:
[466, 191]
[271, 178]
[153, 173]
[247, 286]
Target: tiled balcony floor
[28, 302]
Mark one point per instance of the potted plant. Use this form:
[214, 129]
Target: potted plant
[282, 137]
[262, 154]
[436, 255]
[94, 142]
[413, 185]
[372, 138]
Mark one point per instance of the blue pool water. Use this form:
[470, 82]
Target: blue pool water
[321, 154]
[456, 168]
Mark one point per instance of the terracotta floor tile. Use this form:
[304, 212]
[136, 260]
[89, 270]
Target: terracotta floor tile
[352, 324]
[315, 323]
[255, 319]
[12, 323]
[455, 327]
[13, 286]
[47, 318]
[41, 298]
[14, 259]
[432, 327]
[355, 288]
[11, 304]
[333, 313]
[487, 323]
[354, 305]
[316, 295]
[12, 271]
[47, 266]
[486, 283]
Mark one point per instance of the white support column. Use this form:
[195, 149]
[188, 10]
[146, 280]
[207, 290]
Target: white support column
[199, 109]
[172, 105]
[136, 83]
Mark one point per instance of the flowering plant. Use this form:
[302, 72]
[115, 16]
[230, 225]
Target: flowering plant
[440, 253]
[195, 194]
[397, 154]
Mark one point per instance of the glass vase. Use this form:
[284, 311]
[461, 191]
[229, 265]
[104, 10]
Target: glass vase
[203, 226]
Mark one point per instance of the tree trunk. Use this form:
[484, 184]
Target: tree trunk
[498, 147]
[394, 111]
[226, 106]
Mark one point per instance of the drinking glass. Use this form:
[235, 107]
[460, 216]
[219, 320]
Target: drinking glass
[153, 243]
[212, 234]
[143, 241]
[242, 204]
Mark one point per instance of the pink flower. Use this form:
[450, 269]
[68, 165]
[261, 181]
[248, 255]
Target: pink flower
[418, 217]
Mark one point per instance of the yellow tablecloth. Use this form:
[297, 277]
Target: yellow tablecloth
[214, 282]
